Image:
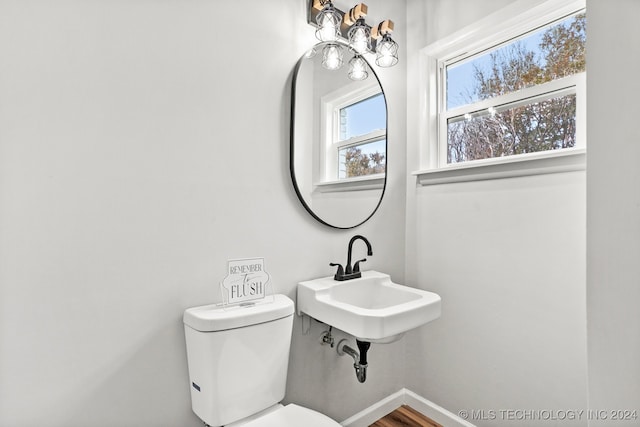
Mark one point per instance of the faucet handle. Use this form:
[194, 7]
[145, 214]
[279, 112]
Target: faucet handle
[340, 273]
[356, 267]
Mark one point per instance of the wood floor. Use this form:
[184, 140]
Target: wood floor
[405, 416]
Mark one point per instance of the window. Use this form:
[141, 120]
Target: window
[511, 88]
[361, 142]
[355, 141]
[518, 97]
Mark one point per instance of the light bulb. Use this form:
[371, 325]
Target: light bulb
[332, 56]
[386, 52]
[328, 21]
[359, 37]
[358, 68]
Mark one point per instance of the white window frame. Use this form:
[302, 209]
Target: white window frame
[515, 20]
[331, 104]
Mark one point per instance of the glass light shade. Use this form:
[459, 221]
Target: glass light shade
[332, 56]
[358, 68]
[386, 52]
[328, 20]
[360, 37]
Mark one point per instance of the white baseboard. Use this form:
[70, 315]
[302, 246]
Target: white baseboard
[433, 411]
[426, 407]
[376, 411]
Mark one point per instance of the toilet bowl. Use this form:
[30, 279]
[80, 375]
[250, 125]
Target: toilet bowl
[291, 415]
[238, 358]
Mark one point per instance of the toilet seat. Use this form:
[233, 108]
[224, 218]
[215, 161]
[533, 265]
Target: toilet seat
[293, 416]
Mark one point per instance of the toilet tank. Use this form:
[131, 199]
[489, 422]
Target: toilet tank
[238, 357]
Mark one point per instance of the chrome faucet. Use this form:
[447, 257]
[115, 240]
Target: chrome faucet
[349, 272]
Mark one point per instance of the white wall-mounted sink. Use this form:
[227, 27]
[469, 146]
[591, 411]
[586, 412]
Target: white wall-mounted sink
[371, 308]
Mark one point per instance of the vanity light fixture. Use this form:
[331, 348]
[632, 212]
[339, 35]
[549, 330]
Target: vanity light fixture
[328, 21]
[354, 31]
[359, 34]
[360, 37]
[386, 48]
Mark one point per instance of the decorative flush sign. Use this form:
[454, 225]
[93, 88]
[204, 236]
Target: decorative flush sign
[246, 280]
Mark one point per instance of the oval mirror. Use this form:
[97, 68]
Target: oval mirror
[338, 136]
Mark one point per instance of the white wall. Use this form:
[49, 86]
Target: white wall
[134, 162]
[142, 145]
[508, 258]
[613, 209]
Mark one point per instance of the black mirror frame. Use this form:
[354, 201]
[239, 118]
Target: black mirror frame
[292, 148]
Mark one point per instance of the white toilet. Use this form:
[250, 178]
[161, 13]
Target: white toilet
[238, 358]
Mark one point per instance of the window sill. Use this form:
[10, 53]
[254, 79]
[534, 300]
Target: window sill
[568, 160]
[372, 182]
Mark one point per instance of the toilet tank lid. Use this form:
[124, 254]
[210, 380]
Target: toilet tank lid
[216, 317]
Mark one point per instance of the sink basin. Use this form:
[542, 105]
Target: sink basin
[371, 308]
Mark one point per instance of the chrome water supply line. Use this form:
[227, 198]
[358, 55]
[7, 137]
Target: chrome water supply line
[327, 338]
